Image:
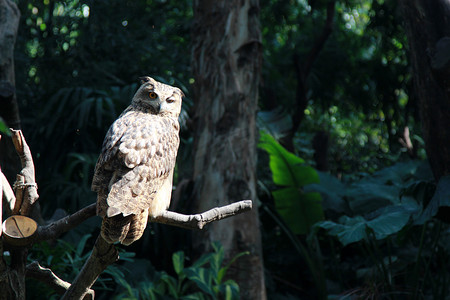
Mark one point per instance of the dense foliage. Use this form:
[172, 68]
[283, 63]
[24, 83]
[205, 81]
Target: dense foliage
[364, 227]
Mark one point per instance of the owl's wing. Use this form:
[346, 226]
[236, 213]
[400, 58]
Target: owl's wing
[106, 161]
[147, 153]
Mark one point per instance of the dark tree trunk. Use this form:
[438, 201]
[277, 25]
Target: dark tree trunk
[302, 70]
[428, 29]
[321, 145]
[12, 282]
[226, 66]
[9, 23]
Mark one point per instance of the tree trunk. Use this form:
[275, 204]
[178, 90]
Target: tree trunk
[428, 29]
[9, 24]
[12, 280]
[226, 66]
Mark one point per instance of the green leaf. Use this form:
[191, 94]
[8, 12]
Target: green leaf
[391, 220]
[229, 289]
[441, 198]
[195, 296]
[223, 270]
[204, 259]
[81, 244]
[171, 284]
[4, 128]
[287, 168]
[332, 191]
[350, 231]
[366, 196]
[202, 278]
[178, 262]
[299, 210]
[216, 259]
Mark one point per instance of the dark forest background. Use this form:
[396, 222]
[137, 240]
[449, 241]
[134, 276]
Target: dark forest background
[349, 206]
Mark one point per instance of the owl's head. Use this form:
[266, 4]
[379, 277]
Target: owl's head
[158, 98]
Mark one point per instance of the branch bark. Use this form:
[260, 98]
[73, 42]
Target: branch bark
[195, 221]
[198, 221]
[55, 229]
[45, 275]
[102, 256]
[25, 186]
[26, 194]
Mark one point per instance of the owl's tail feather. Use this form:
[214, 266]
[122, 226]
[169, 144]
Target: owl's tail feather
[122, 229]
[137, 227]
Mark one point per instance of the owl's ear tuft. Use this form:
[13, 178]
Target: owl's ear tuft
[144, 79]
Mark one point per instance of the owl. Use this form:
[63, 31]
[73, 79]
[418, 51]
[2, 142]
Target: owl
[134, 172]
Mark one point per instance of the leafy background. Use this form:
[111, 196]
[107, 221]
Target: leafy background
[364, 228]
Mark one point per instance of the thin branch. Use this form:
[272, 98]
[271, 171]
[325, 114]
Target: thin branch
[55, 229]
[406, 142]
[45, 275]
[197, 221]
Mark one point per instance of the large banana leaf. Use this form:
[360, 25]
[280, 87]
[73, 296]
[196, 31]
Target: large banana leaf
[300, 210]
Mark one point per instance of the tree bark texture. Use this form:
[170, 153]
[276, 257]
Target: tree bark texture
[9, 24]
[226, 67]
[428, 29]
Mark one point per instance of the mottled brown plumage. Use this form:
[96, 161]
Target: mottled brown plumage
[133, 175]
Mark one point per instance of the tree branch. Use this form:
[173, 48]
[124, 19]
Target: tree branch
[45, 275]
[25, 185]
[102, 256]
[197, 221]
[55, 229]
[105, 254]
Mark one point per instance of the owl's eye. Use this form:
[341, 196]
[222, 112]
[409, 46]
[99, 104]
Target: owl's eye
[170, 100]
[152, 95]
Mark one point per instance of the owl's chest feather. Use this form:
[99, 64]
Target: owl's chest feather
[149, 140]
